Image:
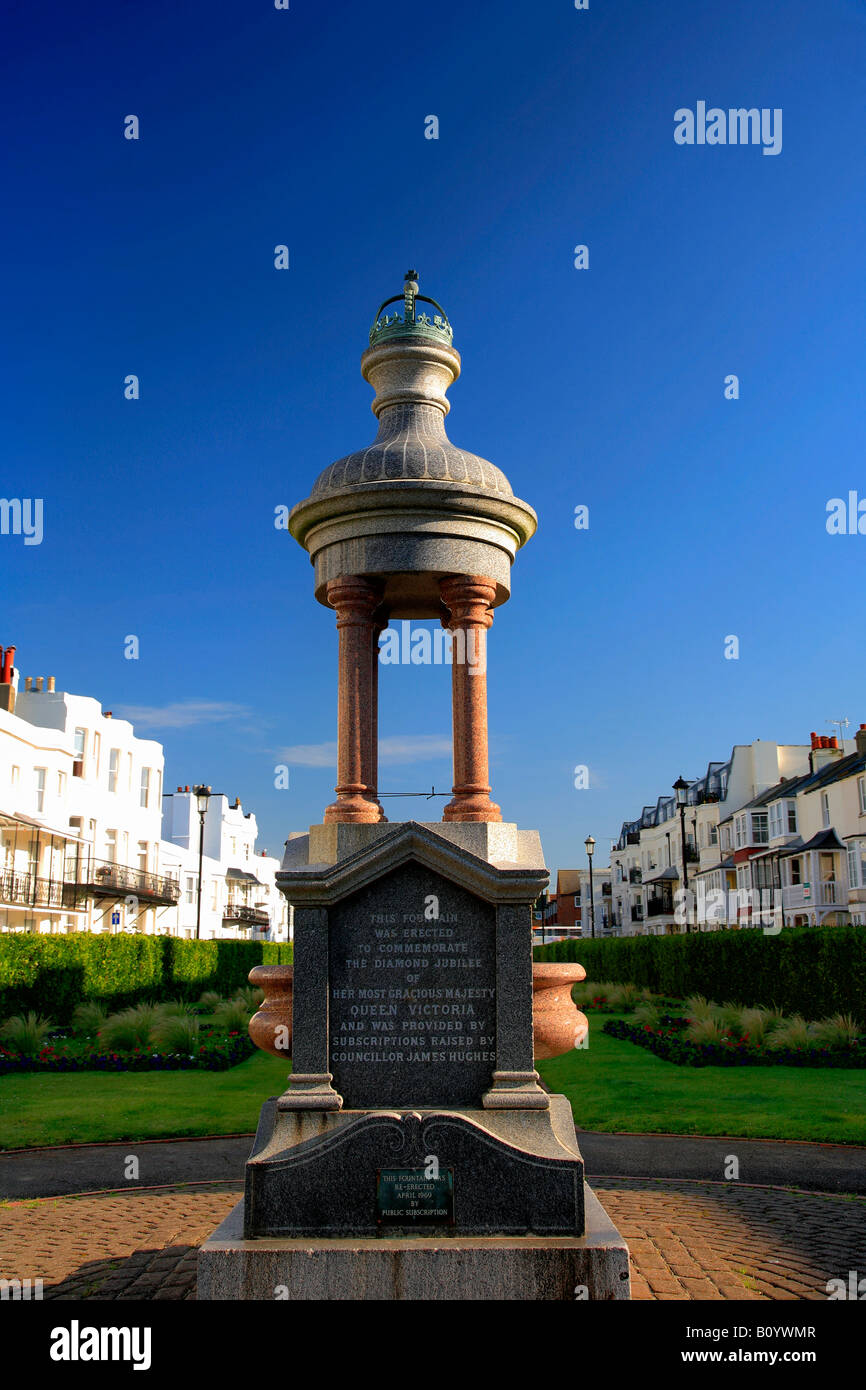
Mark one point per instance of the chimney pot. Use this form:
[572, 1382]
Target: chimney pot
[40, 680]
[186, 788]
[51, 687]
[814, 738]
[108, 714]
[834, 742]
[28, 684]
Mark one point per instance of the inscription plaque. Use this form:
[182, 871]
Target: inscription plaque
[412, 993]
[407, 1197]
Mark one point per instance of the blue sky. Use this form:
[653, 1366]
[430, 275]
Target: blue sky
[602, 387]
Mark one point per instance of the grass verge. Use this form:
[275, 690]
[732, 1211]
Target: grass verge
[614, 1085]
[95, 1107]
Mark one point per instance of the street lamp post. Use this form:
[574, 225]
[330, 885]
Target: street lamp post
[681, 788]
[590, 848]
[202, 796]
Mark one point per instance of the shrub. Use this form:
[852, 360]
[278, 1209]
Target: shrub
[250, 997]
[213, 1054]
[729, 1052]
[175, 1008]
[89, 1018]
[176, 1033]
[697, 1007]
[791, 1032]
[26, 1033]
[209, 1001]
[731, 1018]
[816, 970]
[757, 1024]
[130, 1028]
[233, 1016]
[56, 973]
[705, 1030]
[839, 1031]
[647, 1015]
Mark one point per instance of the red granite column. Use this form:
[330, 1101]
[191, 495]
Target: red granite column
[378, 628]
[468, 599]
[355, 600]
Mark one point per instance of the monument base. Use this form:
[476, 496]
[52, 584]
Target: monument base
[561, 1268]
[318, 1175]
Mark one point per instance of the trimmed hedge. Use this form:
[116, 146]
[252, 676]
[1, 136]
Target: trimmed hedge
[814, 971]
[52, 974]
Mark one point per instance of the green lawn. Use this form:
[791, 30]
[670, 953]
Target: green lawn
[612, 1085]
[615, 1085]
[89, 1107]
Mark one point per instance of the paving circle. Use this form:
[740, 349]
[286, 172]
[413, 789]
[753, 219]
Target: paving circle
[688, 1240]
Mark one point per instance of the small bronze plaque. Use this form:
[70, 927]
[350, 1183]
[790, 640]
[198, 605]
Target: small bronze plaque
[407, 1197]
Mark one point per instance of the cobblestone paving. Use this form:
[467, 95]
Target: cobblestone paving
[719, 1240]
[137, 1244]
[688, 1240]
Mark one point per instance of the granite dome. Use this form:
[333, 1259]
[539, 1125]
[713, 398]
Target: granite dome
[412, 446]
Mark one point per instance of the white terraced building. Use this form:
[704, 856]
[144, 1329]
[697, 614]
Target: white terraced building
[788, 819]
[84, 841]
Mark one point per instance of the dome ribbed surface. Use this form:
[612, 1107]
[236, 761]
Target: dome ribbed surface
[412, 446]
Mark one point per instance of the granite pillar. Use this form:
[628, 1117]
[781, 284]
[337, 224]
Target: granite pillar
[355, 600]
[468, 600]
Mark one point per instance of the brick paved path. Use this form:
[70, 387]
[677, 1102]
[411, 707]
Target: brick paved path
[706, 1240]
[688, 1240]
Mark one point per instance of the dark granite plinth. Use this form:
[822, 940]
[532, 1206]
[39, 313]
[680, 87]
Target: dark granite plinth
[512, 1173]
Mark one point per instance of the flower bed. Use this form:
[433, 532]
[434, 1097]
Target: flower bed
[216, 1051]
[668, 1043]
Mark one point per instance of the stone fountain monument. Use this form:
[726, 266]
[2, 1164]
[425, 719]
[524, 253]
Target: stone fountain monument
[414, 1153]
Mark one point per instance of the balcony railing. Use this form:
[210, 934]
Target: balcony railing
[25, 890]
[632, 837]
[693, 855]
[104, 879]
[635, 876]
[246, 916]
[659, 907]
[820, 894]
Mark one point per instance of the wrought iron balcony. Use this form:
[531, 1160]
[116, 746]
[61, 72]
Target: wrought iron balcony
[26, 890]
[246, 916]
[105, 879]
[659, 907]
[635, 876]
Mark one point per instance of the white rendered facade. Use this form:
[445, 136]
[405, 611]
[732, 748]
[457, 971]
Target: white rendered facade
[647, 864]
[84, 844]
